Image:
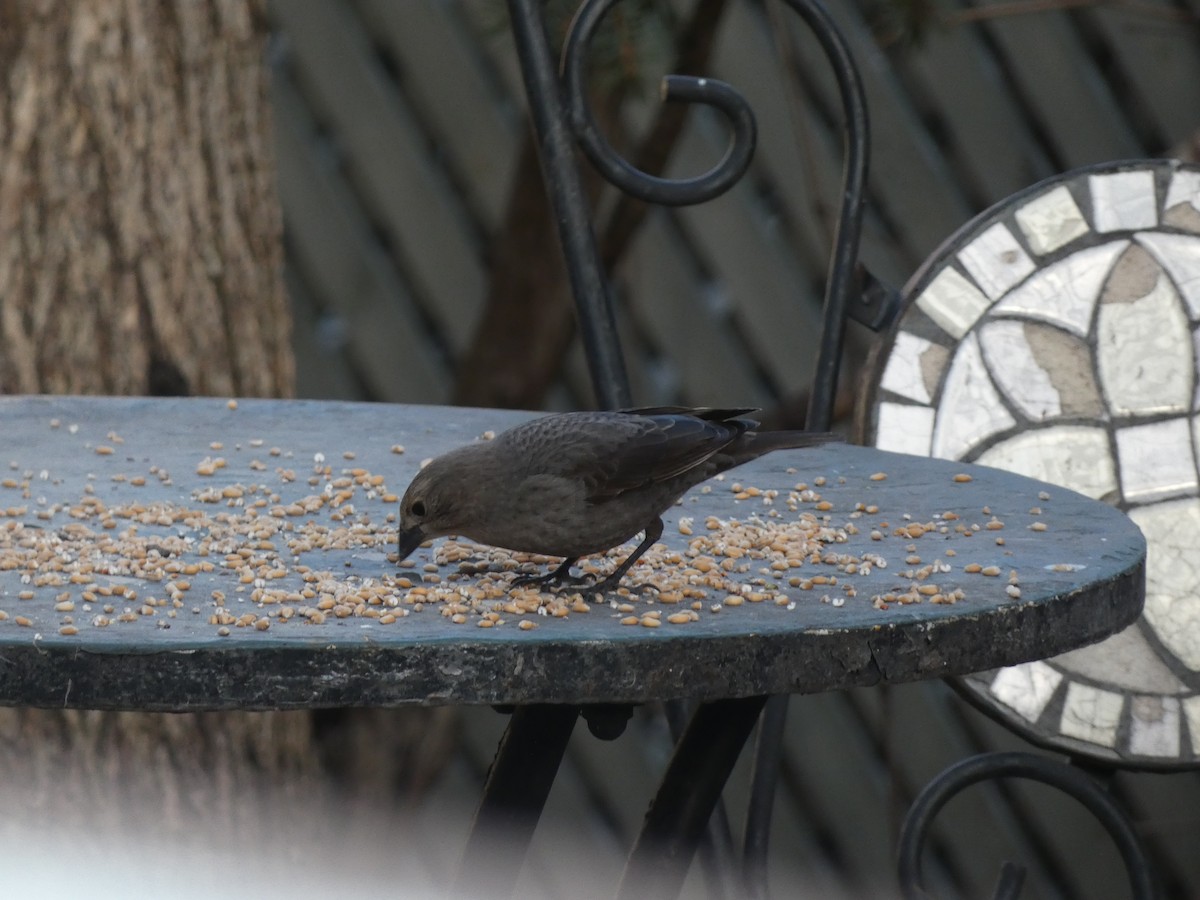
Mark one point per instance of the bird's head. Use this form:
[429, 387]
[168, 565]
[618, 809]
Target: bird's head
[435, 504]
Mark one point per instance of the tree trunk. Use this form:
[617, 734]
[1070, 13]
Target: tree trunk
[142, 254]
[142, 237]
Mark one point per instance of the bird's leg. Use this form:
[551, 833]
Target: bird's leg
[653, 532]
[561, 575]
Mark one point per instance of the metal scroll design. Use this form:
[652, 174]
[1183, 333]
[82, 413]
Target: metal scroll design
[560, 113]
[842, 280]
[1056, 774]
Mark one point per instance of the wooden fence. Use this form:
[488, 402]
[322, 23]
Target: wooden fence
[399, 124]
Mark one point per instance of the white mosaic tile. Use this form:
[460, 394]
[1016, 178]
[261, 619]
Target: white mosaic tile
[1182, 206]
[1191, 712]
[1144, 353]
[1154, 726]
[913, 367]
[953, 302]
[970, 409]
[1123, 201]
[1016, 371]
[1156, 460]
[1179, 254]
[1075, 456]
[1091, 714]
[1172, 573]
[1196, 351]
[1125, 661]
[904, 428]
[1051, 220]
[1110, 334]
[1066, 292]
[1026, 689]
[996, 261]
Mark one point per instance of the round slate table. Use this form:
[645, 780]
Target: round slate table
[1079, 580]
[83, 480]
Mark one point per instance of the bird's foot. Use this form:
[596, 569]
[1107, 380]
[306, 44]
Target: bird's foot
[557, 578]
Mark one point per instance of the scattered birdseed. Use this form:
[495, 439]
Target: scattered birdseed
[264, 538]
[963, 478]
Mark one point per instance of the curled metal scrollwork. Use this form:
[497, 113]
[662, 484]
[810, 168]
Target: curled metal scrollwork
[1056, 774]
[843, 281]
[679, 88]
[843, 275]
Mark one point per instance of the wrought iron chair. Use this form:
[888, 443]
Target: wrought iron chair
[536, 737]
[1052, 335]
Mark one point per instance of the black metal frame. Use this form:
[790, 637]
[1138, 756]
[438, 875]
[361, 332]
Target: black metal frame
[536, 738]
[989, 766]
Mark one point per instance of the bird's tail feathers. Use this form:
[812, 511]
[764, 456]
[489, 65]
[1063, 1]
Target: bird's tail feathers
[756, 443]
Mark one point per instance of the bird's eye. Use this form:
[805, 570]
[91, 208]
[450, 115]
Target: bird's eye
[418, 508]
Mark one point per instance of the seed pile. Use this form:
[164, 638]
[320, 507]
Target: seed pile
[281, 546]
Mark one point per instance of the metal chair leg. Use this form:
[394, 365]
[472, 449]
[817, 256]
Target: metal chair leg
[513, 798]
[695, 777]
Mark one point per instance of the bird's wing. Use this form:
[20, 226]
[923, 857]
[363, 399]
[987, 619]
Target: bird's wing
[610, 453]
[658, 446]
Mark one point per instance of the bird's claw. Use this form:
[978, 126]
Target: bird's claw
[557, 578]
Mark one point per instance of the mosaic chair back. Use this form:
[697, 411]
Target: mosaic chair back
[1056, 335]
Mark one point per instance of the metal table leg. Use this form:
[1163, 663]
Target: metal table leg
[695, 777]
[513, 797]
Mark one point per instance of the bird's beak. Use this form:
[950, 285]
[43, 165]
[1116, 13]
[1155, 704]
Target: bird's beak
[410, 540]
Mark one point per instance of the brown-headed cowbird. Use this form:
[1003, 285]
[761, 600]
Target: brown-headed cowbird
[579, 483]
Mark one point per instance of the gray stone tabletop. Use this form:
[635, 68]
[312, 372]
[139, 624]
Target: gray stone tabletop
[191, 554]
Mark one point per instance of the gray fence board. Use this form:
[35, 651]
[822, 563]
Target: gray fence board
[1161, 59]
[958, 77]
[322, 372]
[909, 176]
[384, 153]
[697, 341]
[335, 253]
[775, 305]
[442, 72]
[1061, 86]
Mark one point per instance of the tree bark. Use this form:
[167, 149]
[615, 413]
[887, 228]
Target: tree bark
[142, 254]
[142, 246]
